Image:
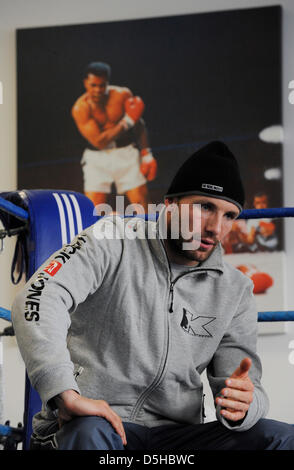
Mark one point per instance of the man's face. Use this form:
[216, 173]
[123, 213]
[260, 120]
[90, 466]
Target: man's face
[96, 86]
[216, 216]
[260, 202]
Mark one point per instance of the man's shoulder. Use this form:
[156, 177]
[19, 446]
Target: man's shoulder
[236, 276]
[120, 91]
[81, 105]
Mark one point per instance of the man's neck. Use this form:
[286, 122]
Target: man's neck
[101, 103]
[176, 258]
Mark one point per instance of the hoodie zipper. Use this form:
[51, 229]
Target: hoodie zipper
[172, 285]
[162, 368]
[78, 372]
[171, 291]
[157, 378]
[172, 282]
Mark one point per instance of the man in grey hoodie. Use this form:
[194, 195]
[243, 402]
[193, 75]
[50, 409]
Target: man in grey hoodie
[117, 327]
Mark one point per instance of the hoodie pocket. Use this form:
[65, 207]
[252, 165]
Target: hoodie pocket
[177, 402]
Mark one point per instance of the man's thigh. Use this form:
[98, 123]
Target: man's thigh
[265, 435]
[96, 433]
[88, 433]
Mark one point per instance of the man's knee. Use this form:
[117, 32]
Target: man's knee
[273, 435]
[88, 433]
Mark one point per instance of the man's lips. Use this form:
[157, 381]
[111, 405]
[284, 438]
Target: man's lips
[207, 243]
[203, 244]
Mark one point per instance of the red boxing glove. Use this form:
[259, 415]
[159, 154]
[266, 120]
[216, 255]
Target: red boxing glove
[262, 281]
[148, 165]
[134, 108]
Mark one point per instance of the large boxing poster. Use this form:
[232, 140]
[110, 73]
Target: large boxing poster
[201, 77]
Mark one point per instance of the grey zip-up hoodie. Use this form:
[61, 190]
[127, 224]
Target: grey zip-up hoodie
[105, 318]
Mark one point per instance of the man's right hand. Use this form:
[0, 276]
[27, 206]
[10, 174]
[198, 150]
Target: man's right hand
[71, 404]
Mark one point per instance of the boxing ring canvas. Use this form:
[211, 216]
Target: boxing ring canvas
[202, 77]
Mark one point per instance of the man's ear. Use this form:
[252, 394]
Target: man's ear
[167, 201]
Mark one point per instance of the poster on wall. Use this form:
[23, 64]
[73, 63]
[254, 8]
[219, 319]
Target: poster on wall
[177, 83]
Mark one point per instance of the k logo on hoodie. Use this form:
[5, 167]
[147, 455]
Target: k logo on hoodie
[195, 325]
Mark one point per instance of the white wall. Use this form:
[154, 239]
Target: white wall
[274, 349]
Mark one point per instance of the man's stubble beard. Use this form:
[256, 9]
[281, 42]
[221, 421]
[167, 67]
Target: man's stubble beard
[176, 246]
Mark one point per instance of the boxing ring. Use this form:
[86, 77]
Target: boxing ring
[42, 222]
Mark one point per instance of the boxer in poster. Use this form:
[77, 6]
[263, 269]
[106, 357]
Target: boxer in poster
[110, 119]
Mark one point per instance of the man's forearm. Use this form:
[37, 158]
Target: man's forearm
[141, 135]
[108, 136]
[57, 401]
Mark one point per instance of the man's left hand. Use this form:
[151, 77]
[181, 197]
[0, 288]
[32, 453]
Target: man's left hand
[148, 165]
[238, 393]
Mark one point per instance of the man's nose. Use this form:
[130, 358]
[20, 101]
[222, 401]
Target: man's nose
[214, 224]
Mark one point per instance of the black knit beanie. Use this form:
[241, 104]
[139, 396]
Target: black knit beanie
[212, 171]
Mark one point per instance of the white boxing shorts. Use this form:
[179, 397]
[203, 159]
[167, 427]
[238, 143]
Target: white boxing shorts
[120, 166]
